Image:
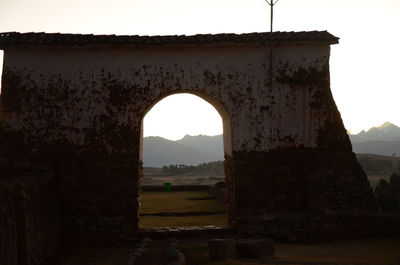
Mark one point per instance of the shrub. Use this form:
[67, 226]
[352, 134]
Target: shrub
[388, 194]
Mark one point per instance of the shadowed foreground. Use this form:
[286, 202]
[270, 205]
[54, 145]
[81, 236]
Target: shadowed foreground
[370, 251]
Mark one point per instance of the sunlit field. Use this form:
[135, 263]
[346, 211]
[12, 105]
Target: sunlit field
[180, 202]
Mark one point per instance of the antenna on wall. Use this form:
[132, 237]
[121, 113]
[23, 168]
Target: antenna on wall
[272, 3]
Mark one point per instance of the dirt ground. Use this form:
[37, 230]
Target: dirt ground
[97, 256]
[369, 251]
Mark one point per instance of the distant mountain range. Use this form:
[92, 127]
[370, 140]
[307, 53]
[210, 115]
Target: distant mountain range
[190, 150]
[193, 150]
[381, 140]
[387, 132]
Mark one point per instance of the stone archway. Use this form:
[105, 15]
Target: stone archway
[227, 145]
[72, 108]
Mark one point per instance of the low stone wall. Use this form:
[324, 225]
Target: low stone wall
[319, 227]
[354, 224]
[291, 195]
[303, 180]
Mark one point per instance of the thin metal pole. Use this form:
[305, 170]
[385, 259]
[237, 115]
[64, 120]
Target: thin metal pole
[272, 13]
[271, 66]
[272, 10]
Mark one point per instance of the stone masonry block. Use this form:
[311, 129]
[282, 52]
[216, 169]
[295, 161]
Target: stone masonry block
[220, 249]
[255, 248]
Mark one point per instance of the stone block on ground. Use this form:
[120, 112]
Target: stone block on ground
[220, 249]
[255, 248]
[175, 255]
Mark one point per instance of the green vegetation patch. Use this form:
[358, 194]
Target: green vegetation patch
[211, 169]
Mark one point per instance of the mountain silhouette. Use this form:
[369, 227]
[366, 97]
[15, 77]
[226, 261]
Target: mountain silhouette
[380, 140]
[158, 152]
[387, 132]
[193, 150]
[205, 143]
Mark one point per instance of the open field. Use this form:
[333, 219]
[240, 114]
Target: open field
[204, 174]
[378, 164]
[375, 166]
[374, 179]
[204, 220]
[182, 180]
[211, 180]
[180, 202]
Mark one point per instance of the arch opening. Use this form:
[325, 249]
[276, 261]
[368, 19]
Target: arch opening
[222, 111]
[178, 187]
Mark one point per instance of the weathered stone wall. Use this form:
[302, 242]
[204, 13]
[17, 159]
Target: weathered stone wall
[96, 98]
[29, 213]
[300, 180]
[285, 144]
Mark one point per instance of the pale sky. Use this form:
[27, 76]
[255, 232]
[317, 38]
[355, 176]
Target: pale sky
[364, 65]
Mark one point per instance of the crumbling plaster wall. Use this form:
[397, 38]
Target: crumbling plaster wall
[63, 93]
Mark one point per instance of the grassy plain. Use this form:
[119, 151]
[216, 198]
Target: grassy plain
[178, 202]
[182, 180]
[172, 222]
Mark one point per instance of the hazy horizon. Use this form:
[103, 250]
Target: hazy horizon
[201, 134]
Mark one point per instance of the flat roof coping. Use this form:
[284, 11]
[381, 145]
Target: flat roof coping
[13, 39]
